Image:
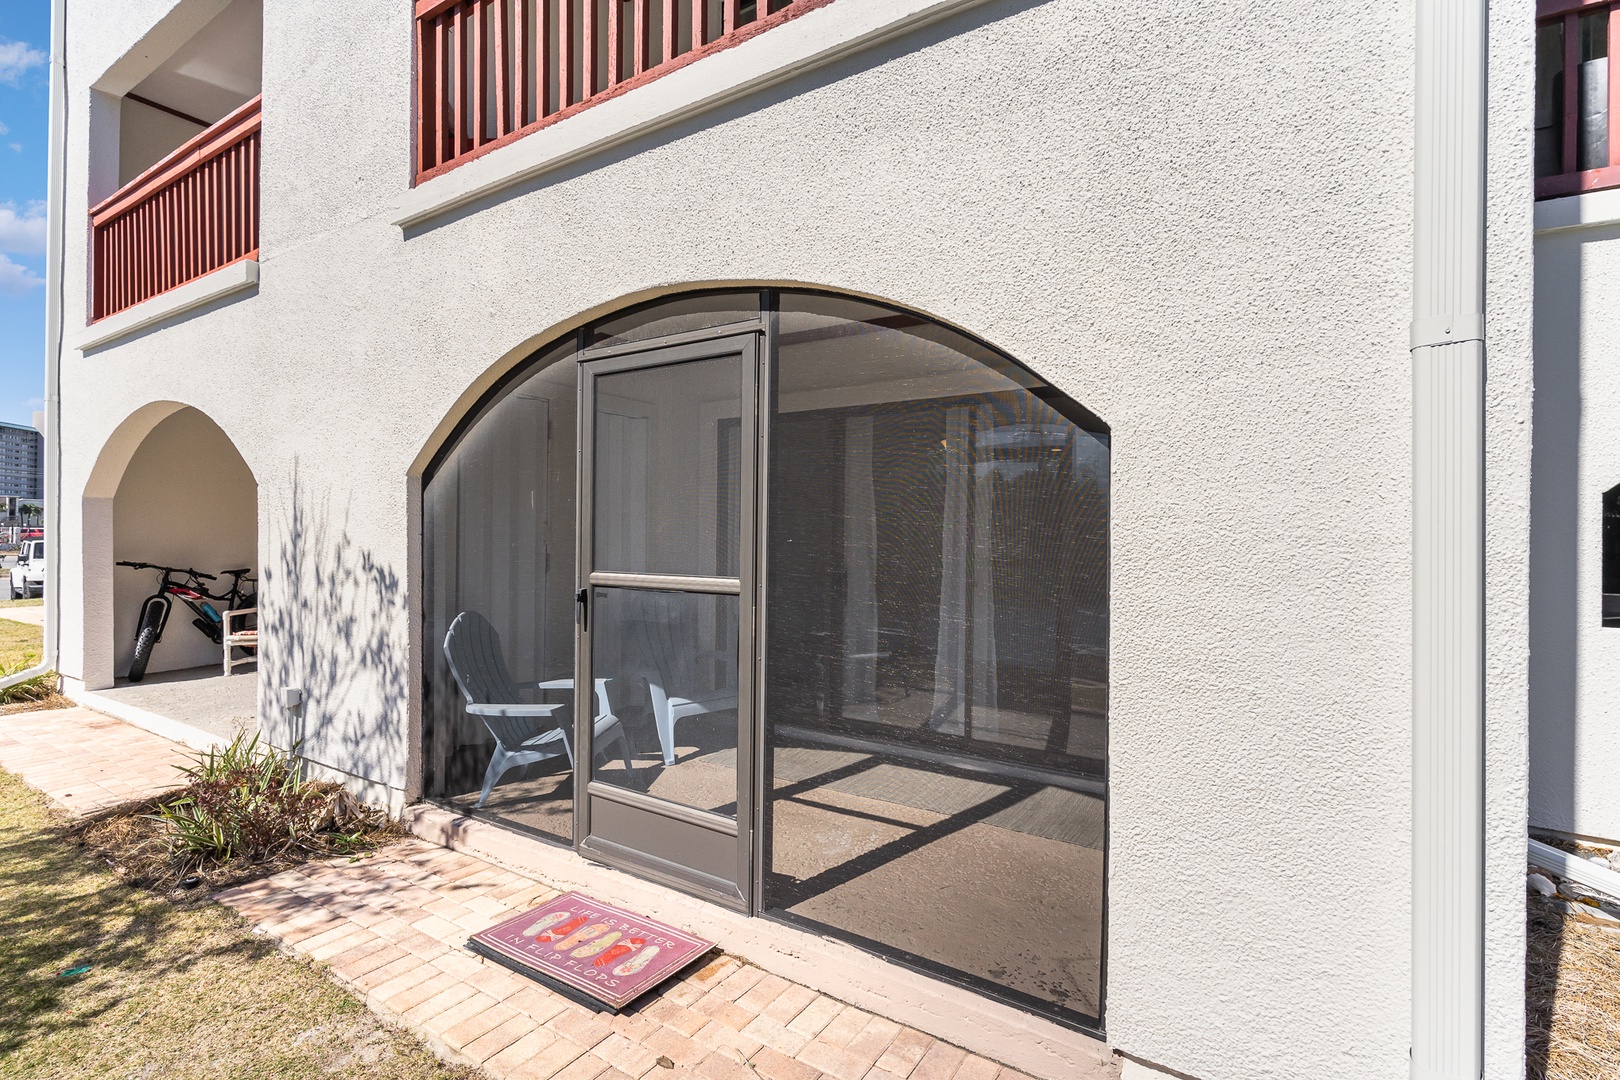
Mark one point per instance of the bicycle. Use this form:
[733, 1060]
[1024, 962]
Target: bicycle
[191, 591]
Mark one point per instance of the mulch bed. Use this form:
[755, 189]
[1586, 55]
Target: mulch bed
[1572, 984]
[136, 844]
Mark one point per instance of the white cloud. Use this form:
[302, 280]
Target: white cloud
[17, 146]
[17, 279]
[17, 57]
[3, 129]
[22, 233]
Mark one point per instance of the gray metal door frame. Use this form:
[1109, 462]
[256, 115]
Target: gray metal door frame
[683, 835]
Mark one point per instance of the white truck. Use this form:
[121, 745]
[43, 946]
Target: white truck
[28, 576]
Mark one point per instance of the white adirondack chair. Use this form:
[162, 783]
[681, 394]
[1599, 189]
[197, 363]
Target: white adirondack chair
[660, 637]
[525, 732]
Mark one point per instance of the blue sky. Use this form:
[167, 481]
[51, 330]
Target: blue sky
[24, 114]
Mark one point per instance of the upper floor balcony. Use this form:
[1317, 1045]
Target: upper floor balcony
[489, 72]
[1577, 103]
[187, 166]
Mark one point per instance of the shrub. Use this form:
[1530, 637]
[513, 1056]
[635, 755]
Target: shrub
[249, 801]
[39, 688]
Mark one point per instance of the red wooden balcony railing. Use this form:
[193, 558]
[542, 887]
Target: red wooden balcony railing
[193, 212]
[1577, 108]
[492, 71]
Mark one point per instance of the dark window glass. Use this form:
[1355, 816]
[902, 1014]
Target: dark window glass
[498, 541]
[656, 513]
[1550, 99]
[682, 315]
[670, 661]
[1593, 123]
[1611, 557]
[936, 675]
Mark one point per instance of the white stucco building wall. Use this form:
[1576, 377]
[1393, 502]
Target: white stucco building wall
[1104, 192]
[1575, 670]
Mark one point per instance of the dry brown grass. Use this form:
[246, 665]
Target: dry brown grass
[1572, 995]
[51, 700]
[168, 990]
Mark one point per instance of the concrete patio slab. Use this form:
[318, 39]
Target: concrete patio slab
[196, 706]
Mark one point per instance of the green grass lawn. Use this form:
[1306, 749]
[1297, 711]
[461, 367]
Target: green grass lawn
[38, 601]
[19, 642]
[171, 991]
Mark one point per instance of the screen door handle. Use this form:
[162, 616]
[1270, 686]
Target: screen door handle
[583, 599]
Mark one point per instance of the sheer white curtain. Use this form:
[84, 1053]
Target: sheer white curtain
[859, 676]
[967, 626]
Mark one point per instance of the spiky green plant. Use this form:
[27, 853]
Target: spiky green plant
[244, 799]
[37, 688]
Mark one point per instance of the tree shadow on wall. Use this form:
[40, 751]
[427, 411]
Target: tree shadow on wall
[332, 621]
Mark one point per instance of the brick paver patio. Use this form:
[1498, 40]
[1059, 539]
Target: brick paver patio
[392, 928]
[85, 760]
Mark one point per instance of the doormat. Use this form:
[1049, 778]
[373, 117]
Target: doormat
[594, 953]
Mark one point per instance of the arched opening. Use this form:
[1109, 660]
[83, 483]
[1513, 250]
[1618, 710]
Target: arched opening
[170, 489]
[836, 576]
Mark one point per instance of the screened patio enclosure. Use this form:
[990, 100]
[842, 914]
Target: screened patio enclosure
[834, 581]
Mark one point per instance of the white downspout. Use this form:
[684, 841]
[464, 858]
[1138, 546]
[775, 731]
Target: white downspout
[1448, 542]
[56, 230]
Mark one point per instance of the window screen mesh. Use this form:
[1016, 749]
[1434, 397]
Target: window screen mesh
[936, 663]
[498, 541]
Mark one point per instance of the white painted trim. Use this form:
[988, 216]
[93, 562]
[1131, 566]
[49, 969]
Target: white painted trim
[810, 41]
[1575, 868]
[158, 724]
[1000, 1032]
[1584, 211]
[236, 277]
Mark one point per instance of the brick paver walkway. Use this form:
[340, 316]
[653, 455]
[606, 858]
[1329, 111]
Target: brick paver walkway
[393, 927]
[85, 760]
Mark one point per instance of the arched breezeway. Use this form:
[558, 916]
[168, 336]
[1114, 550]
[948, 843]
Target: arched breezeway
[836, 577]
[168, 488]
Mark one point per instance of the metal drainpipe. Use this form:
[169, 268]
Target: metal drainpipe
[56, 200]
[1448, 542]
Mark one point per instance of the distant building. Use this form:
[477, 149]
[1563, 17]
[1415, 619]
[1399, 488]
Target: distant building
[22, 462]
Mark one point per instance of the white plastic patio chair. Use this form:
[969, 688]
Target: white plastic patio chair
[660, 637]
[525, 732]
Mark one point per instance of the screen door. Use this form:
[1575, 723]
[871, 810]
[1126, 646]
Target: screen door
[665, 731]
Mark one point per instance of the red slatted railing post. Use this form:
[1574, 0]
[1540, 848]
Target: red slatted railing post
[1614, 85]
[615, 35]
[672, 24]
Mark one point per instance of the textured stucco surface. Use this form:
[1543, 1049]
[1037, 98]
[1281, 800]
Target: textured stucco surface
[1575, 671]
[1508, 423]
[1092, 188]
